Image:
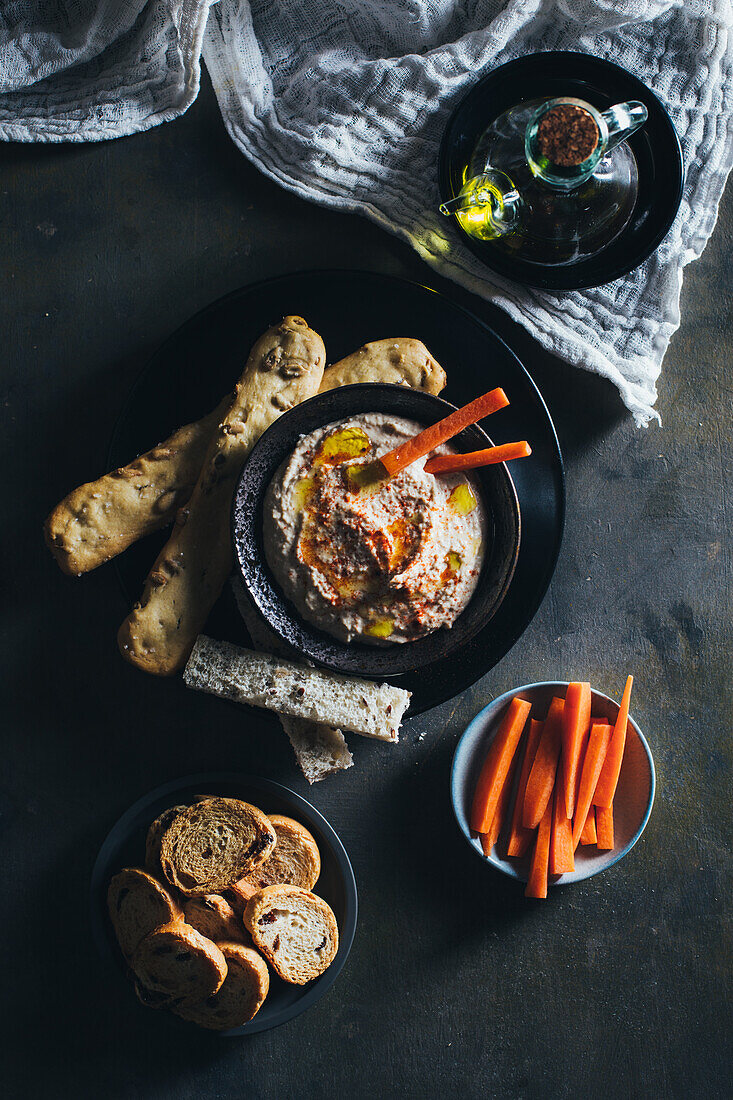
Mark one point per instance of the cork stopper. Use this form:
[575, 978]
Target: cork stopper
[567, 135]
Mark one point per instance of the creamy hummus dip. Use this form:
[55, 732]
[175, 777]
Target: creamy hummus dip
[379, 560]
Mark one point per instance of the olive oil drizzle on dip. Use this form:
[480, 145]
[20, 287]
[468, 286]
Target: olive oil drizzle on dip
[380, 559]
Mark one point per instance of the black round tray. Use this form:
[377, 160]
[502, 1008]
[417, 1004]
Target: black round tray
[190, 372]
[656, 147]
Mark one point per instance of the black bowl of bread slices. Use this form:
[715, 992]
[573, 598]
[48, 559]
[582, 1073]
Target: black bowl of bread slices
[227, 901]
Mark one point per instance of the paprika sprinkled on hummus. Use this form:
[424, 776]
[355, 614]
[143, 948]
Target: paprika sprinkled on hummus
[379, 559]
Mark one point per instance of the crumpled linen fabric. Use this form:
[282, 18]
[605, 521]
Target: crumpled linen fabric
[344, 102]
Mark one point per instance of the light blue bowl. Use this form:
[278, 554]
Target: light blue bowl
[634, 794]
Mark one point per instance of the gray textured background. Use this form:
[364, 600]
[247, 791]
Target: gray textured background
[615, 987]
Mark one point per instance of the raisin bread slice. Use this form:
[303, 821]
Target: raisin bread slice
[213, 844]
[137, 905]
[214, 917]
[240, 997]
[295, 861]
[295, 930]
[177, 961]
[155, 835]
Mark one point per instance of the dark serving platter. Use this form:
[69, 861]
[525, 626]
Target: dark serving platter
[125, 847]
[190, 372]
[656, 147]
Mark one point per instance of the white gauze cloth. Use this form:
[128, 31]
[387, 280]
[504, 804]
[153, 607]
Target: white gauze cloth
[345, 102]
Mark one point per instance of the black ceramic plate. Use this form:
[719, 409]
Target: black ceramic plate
[125, 847]
[187, 376]
[502, 543]
[656, 147]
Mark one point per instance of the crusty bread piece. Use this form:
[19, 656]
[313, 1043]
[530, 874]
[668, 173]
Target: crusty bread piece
[138, 904]
[319, 749]
[284, 368]
[155, 835]
[213, 844]
[214, 917]
[102, 518]
[295, 930]
[374, 710]
[177, 961]
[402, 361]
[238, 896]
[240, 997]
[295, 860]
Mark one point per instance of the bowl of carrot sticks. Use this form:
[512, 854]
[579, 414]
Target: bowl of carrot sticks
[553, 782]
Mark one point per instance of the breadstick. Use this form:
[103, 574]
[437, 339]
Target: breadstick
[403, 361]
[102, 518]
[284, 368]
[99, 520]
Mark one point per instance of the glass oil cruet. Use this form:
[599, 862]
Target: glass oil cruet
[551, 181]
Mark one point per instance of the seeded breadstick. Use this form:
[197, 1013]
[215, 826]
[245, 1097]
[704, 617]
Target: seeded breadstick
[102, 518]
[284, 368]
[374, 710]
[403, 361]
[99, 520]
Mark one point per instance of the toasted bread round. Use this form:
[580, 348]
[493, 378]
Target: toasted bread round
[155, 835]
[295, 930]
[213, 917]
[179, 962]
[240, 997]
[295, 861]
[137, 905]
[213, 844]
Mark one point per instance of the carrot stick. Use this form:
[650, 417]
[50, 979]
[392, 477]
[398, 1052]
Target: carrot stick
[537, 881]
[542, 773]
[575, 722]
[595, 754]
[562, 858]
[608, 779]
[443, 464]
[589, 834]
[496, 765]
[519, 837]
[488, 840]
[604, 827]
[432, 437]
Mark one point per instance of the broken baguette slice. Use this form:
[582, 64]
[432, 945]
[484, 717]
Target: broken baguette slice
[240, 997]
[137, 905]
[178, 963]
[214, 843]
[374, 710]
[295, 930]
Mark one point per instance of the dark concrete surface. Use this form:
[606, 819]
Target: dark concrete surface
[619, 986]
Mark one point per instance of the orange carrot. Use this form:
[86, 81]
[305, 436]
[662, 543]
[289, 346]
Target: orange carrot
[608, 779]
[575, 722]
[427, 440]
[604, 827]
[496, 765]
[519, 837]
[488, 840]
[561, 842]
[443, 464]
[537, 881]
[542, 773]
[589, 834]
[595, 754]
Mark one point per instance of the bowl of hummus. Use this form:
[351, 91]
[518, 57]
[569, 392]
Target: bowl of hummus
[363, 573]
